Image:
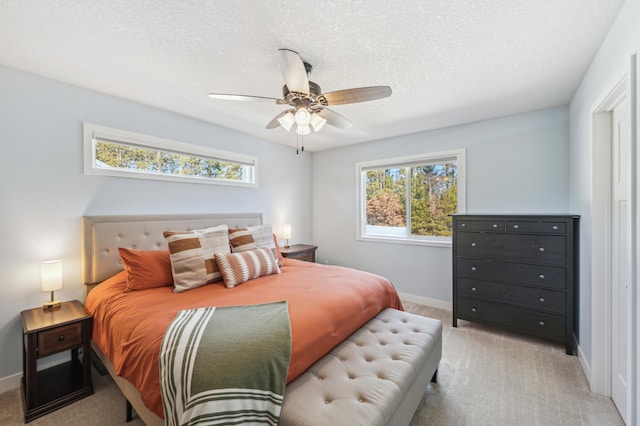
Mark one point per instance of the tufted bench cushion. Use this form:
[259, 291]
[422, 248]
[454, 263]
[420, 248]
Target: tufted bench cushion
[376, 377]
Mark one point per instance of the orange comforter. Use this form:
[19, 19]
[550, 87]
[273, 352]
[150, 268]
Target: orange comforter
[326, 305]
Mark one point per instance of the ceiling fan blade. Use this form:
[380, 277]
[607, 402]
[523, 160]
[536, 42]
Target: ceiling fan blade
[293, 71]
[230, 97]
[359, 94]
[334, 118]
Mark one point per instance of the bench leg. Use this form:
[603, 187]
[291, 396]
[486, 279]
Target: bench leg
[434, 378]
[129, 411]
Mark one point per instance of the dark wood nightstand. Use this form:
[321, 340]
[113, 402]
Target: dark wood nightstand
[300, 252]
[46, 333]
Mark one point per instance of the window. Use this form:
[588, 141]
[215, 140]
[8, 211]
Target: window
[435, 187]
[118, 153]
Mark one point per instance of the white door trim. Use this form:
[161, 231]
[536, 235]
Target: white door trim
[600, 368]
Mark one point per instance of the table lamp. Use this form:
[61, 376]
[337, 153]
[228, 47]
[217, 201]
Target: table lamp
[286, 233]
[51, 281]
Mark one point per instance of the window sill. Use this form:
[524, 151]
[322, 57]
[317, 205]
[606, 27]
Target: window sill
[444, 242]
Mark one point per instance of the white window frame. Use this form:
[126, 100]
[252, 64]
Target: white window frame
[457, 155]
[93, 132]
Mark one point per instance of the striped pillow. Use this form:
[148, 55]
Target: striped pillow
[252, 237]
[238, 268]
[192, 256]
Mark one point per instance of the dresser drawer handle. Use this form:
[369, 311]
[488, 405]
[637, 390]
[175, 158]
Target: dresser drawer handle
[61, 337]
[541, 323]
[474, 309]
[473, 244]
[515, 227]
[541, 300]
[554, 227]
[463, 225]
[473, 289]
[473, 268]
[495, 225]
[541, 276]
[541, 249]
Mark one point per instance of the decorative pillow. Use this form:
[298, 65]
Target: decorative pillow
[238, 268]
[252, 237]
[146, 269]
[192, 256]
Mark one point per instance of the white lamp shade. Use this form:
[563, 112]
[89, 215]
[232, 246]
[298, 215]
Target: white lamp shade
[317, 122]
[51, 275]
[286, 231]
[287, 121]
[303, 130]
[303, 117]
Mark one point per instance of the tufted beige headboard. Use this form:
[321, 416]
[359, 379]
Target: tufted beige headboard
[102, 235]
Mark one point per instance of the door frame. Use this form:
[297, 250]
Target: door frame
[601, 321]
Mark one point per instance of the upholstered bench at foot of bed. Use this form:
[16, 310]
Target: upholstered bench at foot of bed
[376, 377]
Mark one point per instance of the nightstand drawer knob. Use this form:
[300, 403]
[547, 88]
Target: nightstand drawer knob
[541, 300]
[473, 268]
[541, 276]
[515, 227]
[541, 323]
[474, 309]
[473, 289]
[541, 249]
[463, 225]
[495, 225]
[554, 227]
[61, 338]
[473, 244]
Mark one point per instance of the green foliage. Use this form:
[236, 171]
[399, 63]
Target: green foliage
[163, 162]
[433, 196]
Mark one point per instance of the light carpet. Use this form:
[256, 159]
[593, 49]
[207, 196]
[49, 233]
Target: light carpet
[486, 377]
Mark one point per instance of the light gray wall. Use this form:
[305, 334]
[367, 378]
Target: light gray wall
[43, 192]
[516, 164]
[609, 66]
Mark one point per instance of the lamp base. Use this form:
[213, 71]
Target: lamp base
[52, 306]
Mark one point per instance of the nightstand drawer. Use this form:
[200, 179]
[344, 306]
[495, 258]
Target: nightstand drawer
[308, 256]
[59, 339]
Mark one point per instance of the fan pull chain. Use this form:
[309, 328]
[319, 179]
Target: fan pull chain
[299, 143]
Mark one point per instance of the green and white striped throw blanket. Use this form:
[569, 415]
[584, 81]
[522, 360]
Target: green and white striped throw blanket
[225, 365]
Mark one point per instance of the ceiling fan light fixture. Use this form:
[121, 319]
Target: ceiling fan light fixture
[317, 122]
[287, 121]
[303, 117]
[303, 130]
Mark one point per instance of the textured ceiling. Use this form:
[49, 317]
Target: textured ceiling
[448, 62]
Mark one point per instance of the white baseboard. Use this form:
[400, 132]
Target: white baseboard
[584, 364]
[434, 303]
[10, 382]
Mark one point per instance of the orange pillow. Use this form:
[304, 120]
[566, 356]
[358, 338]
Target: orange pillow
[146, 269]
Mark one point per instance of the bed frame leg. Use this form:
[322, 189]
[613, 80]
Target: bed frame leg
[129, 411]
[434, 378]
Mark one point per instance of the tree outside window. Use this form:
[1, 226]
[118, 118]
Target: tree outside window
[432, 185]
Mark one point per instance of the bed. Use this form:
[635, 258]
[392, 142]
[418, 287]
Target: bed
[326, 304]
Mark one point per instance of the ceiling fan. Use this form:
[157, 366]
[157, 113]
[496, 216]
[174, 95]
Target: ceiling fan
[308, 104]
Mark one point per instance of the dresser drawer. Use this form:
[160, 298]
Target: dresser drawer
[538, 323]
[59, 339]
[480, 225]
[528, 297]
[536, 275]
[527, 226]
[539, 249]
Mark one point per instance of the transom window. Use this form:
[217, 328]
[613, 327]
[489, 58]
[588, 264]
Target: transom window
[126, 154]
[409, 199]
